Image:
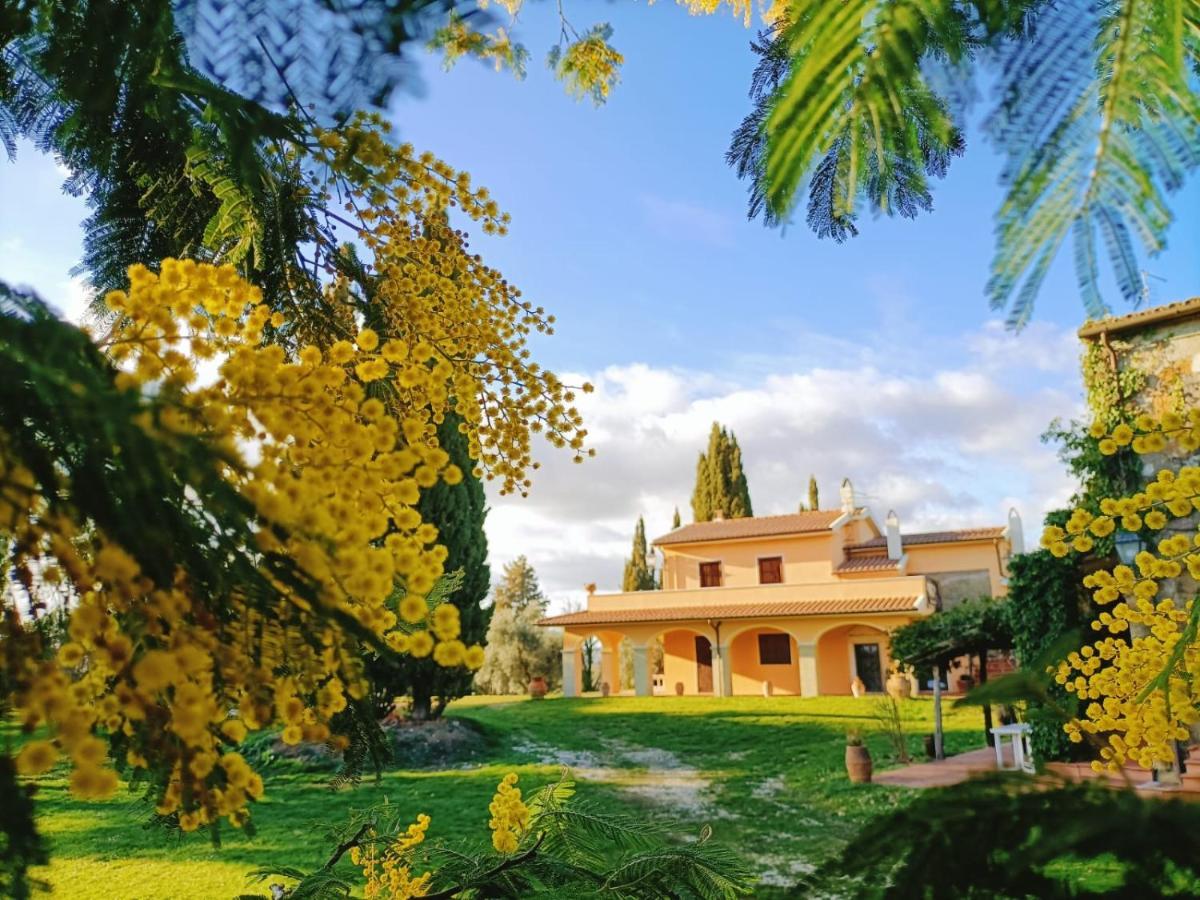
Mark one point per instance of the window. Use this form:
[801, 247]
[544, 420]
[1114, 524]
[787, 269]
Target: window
[710, 574]
[770, 570]
[774, 650]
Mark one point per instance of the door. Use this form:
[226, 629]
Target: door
[867, 665]
[704, 681]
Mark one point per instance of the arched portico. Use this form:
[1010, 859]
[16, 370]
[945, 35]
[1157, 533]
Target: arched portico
[852, 650]
[689, 662]
[762, 656]
[608, 665]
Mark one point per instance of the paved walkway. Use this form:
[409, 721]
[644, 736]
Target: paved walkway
[957, 769]
[940, 773]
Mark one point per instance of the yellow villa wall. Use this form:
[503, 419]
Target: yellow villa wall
[679, 661]
[931, 559]
[834, 656]
[749, 674]
[805, 558]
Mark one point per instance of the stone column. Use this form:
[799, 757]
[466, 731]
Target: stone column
[569, 685]
[807, 654]
[610, 669]
[725, 676]
[641, 671]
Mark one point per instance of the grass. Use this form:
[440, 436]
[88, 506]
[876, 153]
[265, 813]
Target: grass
[766, 773]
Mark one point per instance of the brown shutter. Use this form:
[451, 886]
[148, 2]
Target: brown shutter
[770, 570]
[710, 574]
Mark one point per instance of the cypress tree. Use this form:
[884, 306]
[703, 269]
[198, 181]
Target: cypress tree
[639, 575]
[458, 511]
[720, 479]
[675, 522]
[814, 497]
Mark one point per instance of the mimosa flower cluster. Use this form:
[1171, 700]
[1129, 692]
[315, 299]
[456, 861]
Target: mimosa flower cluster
[324, 418]
[510, 816]
[386, 870]
[1140, 681]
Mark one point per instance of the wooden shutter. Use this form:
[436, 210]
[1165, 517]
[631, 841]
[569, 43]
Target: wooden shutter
[710, 574]
[770, 570]
[774, 650]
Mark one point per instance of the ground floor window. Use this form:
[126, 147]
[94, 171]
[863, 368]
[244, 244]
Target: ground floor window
[774, 650]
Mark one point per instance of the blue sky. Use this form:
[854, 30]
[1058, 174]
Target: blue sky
[877, 359]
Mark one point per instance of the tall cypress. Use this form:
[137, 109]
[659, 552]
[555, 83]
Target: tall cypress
[639, 574]
[676, 522]
[458, 511]
[814, 496]
[720, 479]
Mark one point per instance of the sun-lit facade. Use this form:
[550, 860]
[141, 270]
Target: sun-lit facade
[798, 604]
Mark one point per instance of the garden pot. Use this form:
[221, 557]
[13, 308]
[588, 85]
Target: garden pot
[898, 686]
[857, 688]
[768, 689]
[858, 764]
[679, 689]
[537, 687]
[605, 690]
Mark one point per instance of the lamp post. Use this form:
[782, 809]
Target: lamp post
[1128, 545]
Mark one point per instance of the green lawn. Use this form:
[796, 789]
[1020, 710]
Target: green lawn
[766, 773]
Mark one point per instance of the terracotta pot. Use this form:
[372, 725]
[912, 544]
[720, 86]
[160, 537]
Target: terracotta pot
[537, 687]
[679, 688]
[857, 688]
[898, 686]
[858, 764]
[604, 689]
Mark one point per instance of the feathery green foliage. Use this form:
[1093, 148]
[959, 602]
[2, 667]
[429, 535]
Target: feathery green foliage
[569, 849]
[1097, 117]
[1006, 836]
[720, 480]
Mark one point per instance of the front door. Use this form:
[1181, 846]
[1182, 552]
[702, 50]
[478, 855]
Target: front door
[867, 666]
[704, 682]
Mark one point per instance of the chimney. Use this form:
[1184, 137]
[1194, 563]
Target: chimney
[848, 505]
[1016, 534]
[718, 515]
[892, 526]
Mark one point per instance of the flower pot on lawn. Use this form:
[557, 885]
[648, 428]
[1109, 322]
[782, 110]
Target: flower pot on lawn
[858, 763]
[679, 689]
[857, 688]
[898, 686]
[537, 687]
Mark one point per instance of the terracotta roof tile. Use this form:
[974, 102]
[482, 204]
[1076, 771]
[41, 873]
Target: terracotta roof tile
[751, 526]
[867, 562]
[933, 537]
[1167, 312]
[735, 611]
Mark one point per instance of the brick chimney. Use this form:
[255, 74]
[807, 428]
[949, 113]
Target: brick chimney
[892, 528]
[718, 515]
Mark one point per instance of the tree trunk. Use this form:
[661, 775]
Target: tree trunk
[422, 699]
[987, 707]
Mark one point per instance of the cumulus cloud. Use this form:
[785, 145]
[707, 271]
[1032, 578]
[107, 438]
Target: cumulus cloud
[945, 446]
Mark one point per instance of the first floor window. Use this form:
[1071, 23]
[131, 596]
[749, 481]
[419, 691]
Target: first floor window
[710, 574]
[774, 650]
[770, 570]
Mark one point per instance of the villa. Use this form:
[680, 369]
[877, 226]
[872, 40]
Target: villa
[797, 604]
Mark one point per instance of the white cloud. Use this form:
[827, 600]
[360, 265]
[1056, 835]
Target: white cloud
[948, 447]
